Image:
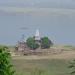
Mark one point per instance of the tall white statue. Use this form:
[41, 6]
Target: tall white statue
[37, 35]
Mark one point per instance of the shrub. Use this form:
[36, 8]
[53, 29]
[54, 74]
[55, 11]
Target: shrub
[5, 65]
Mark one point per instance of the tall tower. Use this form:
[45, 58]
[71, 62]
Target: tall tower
[37, 35]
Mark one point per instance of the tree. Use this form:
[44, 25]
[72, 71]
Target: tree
[31, 43]
[46, 43]
[5, 65]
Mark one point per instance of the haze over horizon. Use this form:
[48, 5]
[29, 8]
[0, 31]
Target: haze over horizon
[54, 18]
[70, 4]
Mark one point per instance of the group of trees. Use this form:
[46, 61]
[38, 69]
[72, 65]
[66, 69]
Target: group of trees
[44, 43]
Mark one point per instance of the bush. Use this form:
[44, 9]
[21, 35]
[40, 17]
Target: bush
[5, 66]
[72, 67]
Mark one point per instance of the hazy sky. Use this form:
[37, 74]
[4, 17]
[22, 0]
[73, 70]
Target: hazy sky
[45, 15]
[39, 3]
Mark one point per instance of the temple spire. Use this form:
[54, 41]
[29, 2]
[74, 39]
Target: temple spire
[37, 35]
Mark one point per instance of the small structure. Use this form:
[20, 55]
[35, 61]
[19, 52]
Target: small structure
[22, 46]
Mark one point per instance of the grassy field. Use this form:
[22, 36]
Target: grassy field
[56, 64]
[41, 67]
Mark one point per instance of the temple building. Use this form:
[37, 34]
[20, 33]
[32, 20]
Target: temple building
[23, 49]
[22, 46]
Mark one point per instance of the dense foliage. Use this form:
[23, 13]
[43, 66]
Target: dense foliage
[45, 43]
[5, 64]
[32, 43]
[72, 67]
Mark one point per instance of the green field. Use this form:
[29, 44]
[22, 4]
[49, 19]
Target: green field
[41, 67]
[54, 64]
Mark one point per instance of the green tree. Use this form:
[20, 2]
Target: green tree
[32, 43]
[46, 43]
[5, 64]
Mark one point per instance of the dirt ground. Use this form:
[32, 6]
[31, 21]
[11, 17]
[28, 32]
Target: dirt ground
[63, 55]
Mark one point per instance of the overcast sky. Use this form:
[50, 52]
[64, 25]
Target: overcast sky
[58, 24]
[39, 3]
